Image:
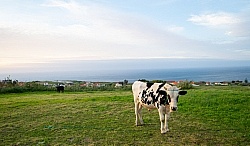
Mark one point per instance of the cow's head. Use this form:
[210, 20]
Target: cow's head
[173, 94]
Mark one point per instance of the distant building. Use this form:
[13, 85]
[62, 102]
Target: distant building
[172, 82]
[208, 84]
[194, 85]
[119, 84]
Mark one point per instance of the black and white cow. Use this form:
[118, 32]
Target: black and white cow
[162, 96]
[60, 88]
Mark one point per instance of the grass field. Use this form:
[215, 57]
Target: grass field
[206, 116]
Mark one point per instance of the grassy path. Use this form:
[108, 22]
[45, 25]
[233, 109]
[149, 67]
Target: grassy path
[206, 116]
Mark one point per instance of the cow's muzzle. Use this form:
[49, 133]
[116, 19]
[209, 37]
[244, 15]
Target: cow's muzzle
[173, 108]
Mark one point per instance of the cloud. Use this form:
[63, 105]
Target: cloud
[99, 23]
[70, 5]
[235, 25]
[77, 30]
[92, 31]
[214, 19]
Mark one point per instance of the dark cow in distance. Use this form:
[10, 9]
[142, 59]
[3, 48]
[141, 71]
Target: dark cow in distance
[60, 88]
[161, 96]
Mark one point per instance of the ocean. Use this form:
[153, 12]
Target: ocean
[190, 74]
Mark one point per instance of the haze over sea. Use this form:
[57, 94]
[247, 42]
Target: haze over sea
[192, 74]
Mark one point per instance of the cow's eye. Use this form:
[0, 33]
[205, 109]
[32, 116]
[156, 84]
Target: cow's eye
[177, 98]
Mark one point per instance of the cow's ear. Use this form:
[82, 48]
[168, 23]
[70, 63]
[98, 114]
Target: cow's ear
[182, 92]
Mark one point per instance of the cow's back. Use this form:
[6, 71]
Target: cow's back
[137, 87]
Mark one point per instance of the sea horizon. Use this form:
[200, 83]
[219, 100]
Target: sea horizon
[210, 74]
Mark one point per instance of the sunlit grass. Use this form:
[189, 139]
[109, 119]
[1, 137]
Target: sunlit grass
[206, 116]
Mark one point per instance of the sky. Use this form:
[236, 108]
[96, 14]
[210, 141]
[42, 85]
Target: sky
[53, 34]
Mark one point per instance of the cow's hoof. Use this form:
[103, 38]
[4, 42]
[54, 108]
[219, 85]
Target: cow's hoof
[164, 131]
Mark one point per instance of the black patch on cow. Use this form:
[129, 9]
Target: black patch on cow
[157, 105]
[151, 94]
[149, 102]
[162, 92]
[149, 84]
[182, 92]
[177, 98]
[169, 98]
[159, 88]
[158, 97]
[143, 95]
[163, 99]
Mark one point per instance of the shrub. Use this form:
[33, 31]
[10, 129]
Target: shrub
[185, 85]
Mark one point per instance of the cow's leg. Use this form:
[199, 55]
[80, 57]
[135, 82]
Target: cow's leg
[166, 121]
[136, 113]
[163, 119]
[140, 114]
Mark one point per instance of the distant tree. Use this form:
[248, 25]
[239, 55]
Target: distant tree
[185, 85]
[158, 81]
[143, 80]
[246, 81]
[125, 82]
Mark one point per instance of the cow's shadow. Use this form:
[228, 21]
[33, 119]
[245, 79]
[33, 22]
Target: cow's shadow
[147, 124]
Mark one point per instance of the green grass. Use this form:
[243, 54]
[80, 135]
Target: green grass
[206, 116]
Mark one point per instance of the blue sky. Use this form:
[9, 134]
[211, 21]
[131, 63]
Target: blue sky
[46, 32]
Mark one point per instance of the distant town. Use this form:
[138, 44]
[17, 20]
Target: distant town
[68, 83]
